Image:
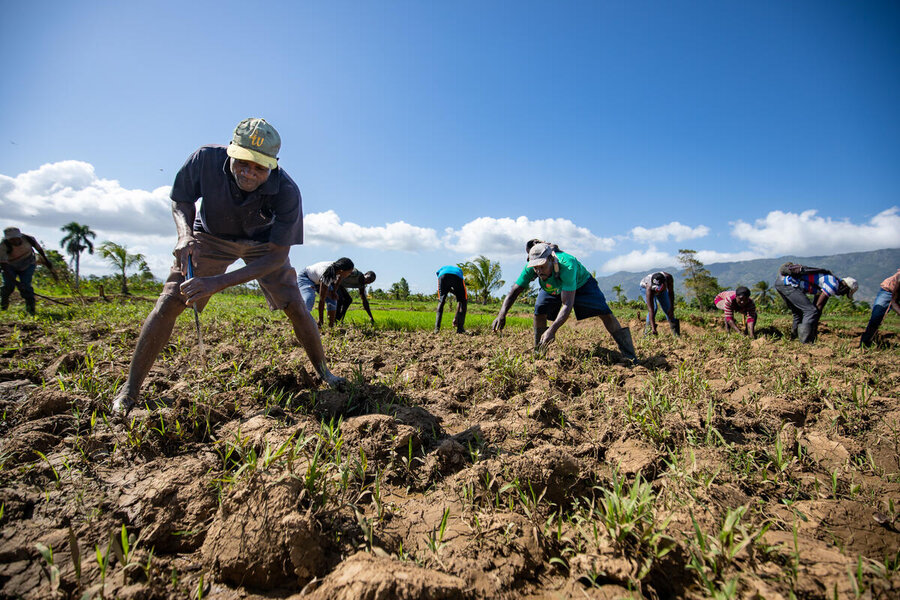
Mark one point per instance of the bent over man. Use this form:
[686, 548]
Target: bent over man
[822, 284]
[737, 300]
[355, 280]
[251, 210]
[18, 263]
[660, 287]
[565, 286]
[452, 281]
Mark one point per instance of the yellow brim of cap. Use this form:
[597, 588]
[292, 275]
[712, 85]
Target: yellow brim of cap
[241, 153]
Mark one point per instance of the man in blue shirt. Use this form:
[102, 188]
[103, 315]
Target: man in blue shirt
[565, 286]
[451, 281]
[251, 210]
[794, 288]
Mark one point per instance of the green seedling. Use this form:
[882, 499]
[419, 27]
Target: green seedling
[51, 570]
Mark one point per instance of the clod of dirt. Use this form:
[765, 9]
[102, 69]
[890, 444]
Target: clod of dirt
[415, 416]
[544, 468]
[23, 442]
[366, 577]
[546, 411]
[379, 435]
[68, 362]
[256, 432]
[449, 457]
[45, 402]
[258, 539]
[170, 502]
[16, 390]
[829, 453]
[634, 457]
[783, 409]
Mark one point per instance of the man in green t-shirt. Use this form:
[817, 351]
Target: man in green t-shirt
[565, 286]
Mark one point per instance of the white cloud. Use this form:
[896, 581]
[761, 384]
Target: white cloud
[806, 234]
[639, 260]
[70, 190]
[708, 257]
[674, 230]
[507, 237]
[327, 228]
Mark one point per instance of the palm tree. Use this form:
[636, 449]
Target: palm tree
[482, 276]
[77, 240]
[119, 257]
[762, 293]
[620, 293]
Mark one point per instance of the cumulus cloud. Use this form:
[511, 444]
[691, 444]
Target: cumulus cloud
[806, 234]
[673, 230]
[639, 260]
[507, 237]
[708, 257]
[327, 228]
[70, 190]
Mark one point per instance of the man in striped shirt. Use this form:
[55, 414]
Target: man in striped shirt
[822, 285]
[888, 298]
[737, 300]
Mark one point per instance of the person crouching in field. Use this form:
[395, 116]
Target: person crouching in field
[888, 298]
[251, 210]
[738, 300]
[18, 263]
[796, 282]
[660, 287]
[355, 280]
[565, 286]
[451, 281]
[324, 277]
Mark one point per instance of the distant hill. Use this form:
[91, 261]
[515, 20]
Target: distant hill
[869, 268]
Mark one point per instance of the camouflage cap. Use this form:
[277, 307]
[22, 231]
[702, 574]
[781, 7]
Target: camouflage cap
[257, 141]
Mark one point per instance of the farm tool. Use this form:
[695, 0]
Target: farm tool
[190, 270]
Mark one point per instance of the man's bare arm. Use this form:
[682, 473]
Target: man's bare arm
[500, 321]
[365, 302]
[184, 214]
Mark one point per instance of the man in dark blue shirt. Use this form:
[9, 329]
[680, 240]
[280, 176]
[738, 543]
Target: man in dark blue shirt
[251, 210]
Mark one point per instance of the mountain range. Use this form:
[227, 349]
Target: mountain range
[868, 268]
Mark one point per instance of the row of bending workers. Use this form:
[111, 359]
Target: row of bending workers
[251, 210]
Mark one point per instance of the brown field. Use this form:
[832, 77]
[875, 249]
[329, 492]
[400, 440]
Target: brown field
[451, 467]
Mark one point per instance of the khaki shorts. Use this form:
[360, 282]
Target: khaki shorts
[213, 256]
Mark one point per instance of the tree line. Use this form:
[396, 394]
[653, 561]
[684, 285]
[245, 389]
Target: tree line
[78, 239]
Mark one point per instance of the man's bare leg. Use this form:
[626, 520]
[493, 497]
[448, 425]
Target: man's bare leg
[611, 323]
[622, 337]
[307, 333]
[155, 334]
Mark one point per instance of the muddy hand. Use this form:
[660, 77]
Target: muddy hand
[498, 324]
[198, 288]
[183, 254]
[548, 337]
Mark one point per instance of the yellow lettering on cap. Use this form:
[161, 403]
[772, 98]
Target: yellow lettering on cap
[256, 140]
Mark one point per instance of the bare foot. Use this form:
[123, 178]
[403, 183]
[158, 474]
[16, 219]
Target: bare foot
[333, 381]
[123, 403]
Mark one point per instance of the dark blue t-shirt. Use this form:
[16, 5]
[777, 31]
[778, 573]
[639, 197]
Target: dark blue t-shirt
[273, 212]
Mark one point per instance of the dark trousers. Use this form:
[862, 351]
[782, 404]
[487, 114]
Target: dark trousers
[806, 315]
[452, 284]
[12, 279]
[344, 300]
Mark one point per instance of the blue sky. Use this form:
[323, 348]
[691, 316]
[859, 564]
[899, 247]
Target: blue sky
[425, 133]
